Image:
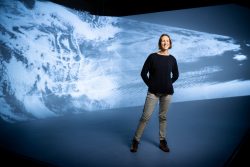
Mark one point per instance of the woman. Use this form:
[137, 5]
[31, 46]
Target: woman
[163, 72]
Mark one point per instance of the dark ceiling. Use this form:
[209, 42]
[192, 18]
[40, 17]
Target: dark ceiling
[132, 7]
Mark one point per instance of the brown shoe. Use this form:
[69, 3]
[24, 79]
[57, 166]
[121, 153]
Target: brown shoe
[134, 146]
[164, 146]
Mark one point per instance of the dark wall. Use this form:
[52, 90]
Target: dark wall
[131, 7]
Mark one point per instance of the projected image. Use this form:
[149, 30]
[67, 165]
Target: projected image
[56, 60]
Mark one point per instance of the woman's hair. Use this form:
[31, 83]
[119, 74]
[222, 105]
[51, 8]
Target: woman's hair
[170, 41]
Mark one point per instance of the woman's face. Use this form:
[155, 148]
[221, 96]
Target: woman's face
[165, 43]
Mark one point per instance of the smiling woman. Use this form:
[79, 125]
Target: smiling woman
[159, 72]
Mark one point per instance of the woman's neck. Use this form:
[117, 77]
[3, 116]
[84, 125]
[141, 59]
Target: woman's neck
[163, 52]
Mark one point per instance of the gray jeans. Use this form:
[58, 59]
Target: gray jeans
[149, 106]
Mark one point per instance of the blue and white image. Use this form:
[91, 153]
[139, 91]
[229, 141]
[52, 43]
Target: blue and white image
[55, 60]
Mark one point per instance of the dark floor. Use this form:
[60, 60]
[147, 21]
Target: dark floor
[207, 133]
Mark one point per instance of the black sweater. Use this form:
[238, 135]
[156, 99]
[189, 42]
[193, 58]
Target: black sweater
[163, 72]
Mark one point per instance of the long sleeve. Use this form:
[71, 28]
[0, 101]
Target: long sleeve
[145, 70]
[175, 72]
[159, 73]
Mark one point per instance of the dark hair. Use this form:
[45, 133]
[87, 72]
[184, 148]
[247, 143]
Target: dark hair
[170, 41]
